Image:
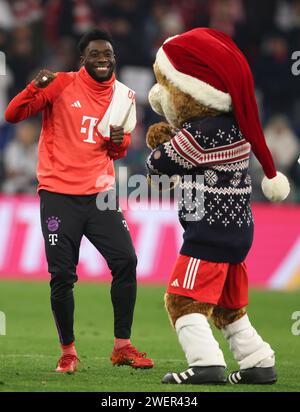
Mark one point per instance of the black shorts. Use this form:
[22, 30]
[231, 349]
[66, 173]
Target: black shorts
[66, 218]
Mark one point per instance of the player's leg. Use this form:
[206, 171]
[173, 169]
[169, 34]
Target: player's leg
[254, 356]
[108, 232]
[194, 288]
[62, 228]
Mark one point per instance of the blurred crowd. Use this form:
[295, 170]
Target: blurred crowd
[44, 33]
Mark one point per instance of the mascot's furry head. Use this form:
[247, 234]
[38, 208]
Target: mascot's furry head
[202, 73]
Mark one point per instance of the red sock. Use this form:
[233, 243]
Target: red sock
[120, 343]
[69, 349]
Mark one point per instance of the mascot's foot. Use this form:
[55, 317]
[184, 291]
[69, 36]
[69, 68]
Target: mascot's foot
[253, 376]
[198, 375]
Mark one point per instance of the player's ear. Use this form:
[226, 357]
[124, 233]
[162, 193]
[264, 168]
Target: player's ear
[82, 61]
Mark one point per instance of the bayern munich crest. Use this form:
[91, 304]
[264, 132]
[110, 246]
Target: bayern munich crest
[53, 223]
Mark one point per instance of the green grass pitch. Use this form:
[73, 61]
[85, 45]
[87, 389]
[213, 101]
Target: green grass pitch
[29, 351]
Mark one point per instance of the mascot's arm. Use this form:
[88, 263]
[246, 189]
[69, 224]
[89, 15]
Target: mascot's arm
[164, 161]
[177, 156]
[190, 149]
[161, 161]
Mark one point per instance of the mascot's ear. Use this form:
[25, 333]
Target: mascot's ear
[154, 97]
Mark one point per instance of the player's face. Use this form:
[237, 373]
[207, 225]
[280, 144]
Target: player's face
[99, 60]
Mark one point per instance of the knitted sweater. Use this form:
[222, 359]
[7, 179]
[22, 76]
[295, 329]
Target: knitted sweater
[214, 211]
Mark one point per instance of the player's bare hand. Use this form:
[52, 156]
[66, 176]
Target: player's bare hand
[44, 78]
[117, 134]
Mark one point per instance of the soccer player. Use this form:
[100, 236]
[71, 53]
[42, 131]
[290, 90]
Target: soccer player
[87, 119]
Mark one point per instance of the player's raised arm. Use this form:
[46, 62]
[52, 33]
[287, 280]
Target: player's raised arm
[32, 99]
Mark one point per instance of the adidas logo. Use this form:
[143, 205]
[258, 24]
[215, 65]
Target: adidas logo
[175, 284]
[234, 378]
[76, 104]
[184, 376]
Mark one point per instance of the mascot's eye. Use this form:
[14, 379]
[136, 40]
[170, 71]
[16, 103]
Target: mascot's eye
[157, 155]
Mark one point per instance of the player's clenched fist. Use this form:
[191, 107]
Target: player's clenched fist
[44, 78]
[117, 134]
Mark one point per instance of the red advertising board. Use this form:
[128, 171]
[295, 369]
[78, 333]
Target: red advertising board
[274, 261]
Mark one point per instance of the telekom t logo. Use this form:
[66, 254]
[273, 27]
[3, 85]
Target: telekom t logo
[53, 239]
[89, 130]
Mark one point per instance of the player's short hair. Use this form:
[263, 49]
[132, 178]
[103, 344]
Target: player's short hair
[95, 34]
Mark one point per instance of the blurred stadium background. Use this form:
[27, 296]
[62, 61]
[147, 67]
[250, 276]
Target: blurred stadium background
[44, 33]
[37, 34]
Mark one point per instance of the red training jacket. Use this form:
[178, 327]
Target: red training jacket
[73, 159]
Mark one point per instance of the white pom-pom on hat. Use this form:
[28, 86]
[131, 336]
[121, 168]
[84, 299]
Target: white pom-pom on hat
[276, 189]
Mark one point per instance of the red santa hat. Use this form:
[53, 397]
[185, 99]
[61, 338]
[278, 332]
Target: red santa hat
[207, 65]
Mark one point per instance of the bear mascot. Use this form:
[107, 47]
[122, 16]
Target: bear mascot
[205, 91]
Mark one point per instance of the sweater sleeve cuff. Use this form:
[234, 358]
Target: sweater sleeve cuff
[122, 147]
[116, 148]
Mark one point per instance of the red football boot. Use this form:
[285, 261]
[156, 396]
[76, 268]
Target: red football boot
[67, 364]
[129, 355]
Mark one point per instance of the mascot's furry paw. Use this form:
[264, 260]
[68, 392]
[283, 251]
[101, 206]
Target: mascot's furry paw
[159, 133]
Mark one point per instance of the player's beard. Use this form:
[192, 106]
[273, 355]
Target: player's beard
[98, 76]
